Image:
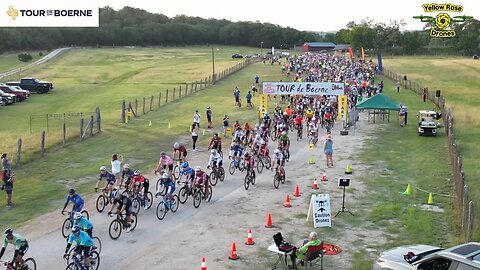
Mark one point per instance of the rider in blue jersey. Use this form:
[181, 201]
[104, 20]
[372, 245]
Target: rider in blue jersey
[76, 200]
[83, 223]
[83, 244]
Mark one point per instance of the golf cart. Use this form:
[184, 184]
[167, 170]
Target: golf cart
[427, 123]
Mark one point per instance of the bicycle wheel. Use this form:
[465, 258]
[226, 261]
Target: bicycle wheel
[252, 175]
[298, 135]
[85, 214]
[268, 162]
[101, 202]
[231, 168]
[260, 165]
[246, 181]
[134, 222]
[149, 201]
[213, 179]
[66, 227]
[97, 243]
[182, 195]
[210, 192]
[30, 263]
[115, 229]
[276, 180]
[221, 173]
[197, 198]
[136, 205]
[176, 172]
[72, 266]
[241, 165]
[175, 204]
[282, 178]
[161, 210]
[94, 260]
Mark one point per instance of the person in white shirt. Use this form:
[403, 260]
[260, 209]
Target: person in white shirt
[117, 168]
[196, 119]
[215, 159]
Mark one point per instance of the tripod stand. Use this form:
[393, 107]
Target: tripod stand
[343, 209]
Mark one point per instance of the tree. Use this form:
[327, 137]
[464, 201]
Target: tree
[412, 41]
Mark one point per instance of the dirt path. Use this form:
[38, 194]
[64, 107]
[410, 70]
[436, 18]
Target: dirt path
[184, 237]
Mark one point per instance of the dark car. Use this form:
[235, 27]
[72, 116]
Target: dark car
[6, 98]
[33, 85]
[237, 55]
[20, 95]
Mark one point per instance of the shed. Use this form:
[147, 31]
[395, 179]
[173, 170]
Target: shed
[318, 46]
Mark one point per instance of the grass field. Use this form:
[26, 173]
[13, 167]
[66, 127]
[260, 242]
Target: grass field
[458, 79]
[9, 61]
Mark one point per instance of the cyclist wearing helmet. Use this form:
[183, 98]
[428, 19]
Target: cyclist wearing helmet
[309, 115]
[128, 173]
[189, 172]
[215, 159]
[83, 244]
[124, 204]
[284, 143]
[109, 179]
[163, 163]
[202, 179]
[139, 182]
[168, 183]
[215, 143]
[258, 143]
[278, 160]
[82, 222]
[236, 150]
[21, 247]
[181, 150]
[249, 162]
[76, 200]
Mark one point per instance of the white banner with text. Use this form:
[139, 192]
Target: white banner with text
[304, 88]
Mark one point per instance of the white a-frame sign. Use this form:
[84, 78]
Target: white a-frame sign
[320, 205]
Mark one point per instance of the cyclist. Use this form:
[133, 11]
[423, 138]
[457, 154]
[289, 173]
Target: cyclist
[284, 144]
[298, 122]
[278, 161]
[163, 163]
[188, 172]
[258, 143]
[237, 151]
[215, 143]
[84, 244]
[215, 159]
[249, 163]
[139, 182]
[248, 129]
[201, 179]
[84, 224]
[76, 200]
[21, 247]
[266, 120]
[124, 204]
[181, 149]
[109, 179]
[309, 115]
[239, 135]
[128, 173]
[170, 185]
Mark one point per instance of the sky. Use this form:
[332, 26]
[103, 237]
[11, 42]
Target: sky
[305, 15]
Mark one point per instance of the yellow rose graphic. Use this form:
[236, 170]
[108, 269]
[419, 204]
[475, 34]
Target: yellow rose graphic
[442, 20]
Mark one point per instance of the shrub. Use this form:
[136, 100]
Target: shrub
[40, 54]
[25, 57]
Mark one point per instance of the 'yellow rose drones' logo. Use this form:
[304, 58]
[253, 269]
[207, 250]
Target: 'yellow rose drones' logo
[442, 24]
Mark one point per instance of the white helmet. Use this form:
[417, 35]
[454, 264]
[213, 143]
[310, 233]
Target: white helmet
[198, 168]
[77, 216]
[165, 175]
[314, 119]
[213, 151]
[103, 168]
[117, 194]
[258, 136]
[284, 133]
[176, 145]
[262, 125]
[136, 172]
[126, 166]
[276, 151]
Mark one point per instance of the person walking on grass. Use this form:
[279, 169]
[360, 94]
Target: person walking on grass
[8, 177]
[194, 137]
[328, 150]
[398, 86]
[209, 117]
[225, 124]
[196, 119]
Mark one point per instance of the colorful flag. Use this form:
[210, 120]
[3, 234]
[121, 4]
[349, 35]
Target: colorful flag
[350, 52]
[379, 66]
[363, 55]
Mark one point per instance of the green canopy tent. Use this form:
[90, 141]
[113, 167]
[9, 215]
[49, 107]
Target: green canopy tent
[380, 104]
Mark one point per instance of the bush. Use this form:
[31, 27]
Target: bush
[25, 57]
[40, 54]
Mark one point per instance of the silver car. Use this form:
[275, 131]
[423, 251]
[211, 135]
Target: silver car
[425, 257]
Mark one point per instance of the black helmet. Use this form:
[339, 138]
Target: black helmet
[8, 232]
[71, 191]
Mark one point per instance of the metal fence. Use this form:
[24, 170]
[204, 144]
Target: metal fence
[463, 203]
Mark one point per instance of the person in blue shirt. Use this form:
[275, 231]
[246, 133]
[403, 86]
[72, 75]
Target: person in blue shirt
[237, 150]
[83, 242]
[76, 200]
[127, 173]
[84, 224]
[249, 99]
[170, 185]
[109, 179]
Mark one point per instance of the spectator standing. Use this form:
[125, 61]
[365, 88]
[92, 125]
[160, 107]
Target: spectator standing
[194, 136]
[257, 79]
[425, 94]
[117, 168]
[249, 99]
[225, 124]
[328, 150]
[398, 86]
[8, 178]
[236, 94]
[196, 119]
[209, 117]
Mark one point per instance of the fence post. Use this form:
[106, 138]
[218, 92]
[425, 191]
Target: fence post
[470, 221]
[143, 105]
[136, 107]
[123, 112]
[99, 120]
[151, 103]
[196, 83]
[174, 90]
[186, 89]
[180, 92]
[64, 133]
[81, 128]
[42, 144]
[91, 125]
[19, 151]
[464, 206]
[191, 88]
[166, 97]
[159, 98]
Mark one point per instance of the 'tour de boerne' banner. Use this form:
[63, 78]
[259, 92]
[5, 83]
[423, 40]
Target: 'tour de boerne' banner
[304, 88]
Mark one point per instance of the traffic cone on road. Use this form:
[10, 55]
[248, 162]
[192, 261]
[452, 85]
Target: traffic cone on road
[249, 238]
[315, 184]
[312, 160]
[407, 190]
[297, 192]
[430, 198]
[269, 221]
[287, 201]
[348, 170]
[233, 252]
[203, 266]
[203, 132]
[324, 177]
[150, 123]
[169, 125]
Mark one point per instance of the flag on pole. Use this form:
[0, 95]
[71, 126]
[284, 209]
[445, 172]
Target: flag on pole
[379, 66]
[363, 55]
[350, 52]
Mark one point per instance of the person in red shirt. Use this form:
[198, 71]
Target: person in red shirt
[139, 182]
[215, 143]
[298, 122]
[182, 151]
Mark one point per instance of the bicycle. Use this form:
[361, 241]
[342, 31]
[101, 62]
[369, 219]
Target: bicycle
[120, 223]
[236, 162]
[218, 173]
[28, 264]
[299, 132]
[78, 264]
[313, 139]
[138, 199]
[164, 205]
[278, 177]
[185, 191]
[329, 127]
[176, 169]
[97, 246]
[68, 222]
[249, 178]
[263, 160]
[103, 200]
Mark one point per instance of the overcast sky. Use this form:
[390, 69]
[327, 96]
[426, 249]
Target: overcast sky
[309, 15]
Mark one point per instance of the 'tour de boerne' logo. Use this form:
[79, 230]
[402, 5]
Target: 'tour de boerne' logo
[14, 13]
[442, 25]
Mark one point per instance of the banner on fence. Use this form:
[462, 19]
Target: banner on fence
[304, 88]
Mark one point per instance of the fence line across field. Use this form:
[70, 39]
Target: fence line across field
[60, 116]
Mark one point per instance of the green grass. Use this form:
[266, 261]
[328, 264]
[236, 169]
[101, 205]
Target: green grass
[9, 61]
[457, 78]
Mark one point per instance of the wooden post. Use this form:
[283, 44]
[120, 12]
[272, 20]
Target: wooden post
[166, 97]
[151, 103]
[159, 98]
[91, 125]
[143, 105]
[19, 152]
[136, 107]
[180, 92]
[42, 144]
[122, 117]
[196, 84]
[64, 133]
[186, 89]
[81, 128]
[99, 120]
[173, 98]
[191, 88]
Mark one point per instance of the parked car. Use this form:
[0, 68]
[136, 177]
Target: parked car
[237, 55]
[416, 257]
[20, 95]
[33, 85]
[20, 89]
[427, 123]
[248, 56]
[6, 98]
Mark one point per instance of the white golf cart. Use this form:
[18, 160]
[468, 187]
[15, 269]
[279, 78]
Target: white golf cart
[427, 123]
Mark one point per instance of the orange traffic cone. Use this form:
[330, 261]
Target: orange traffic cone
[315, 184]
[269, 221]
[297, 192]
[249, 238]
[324, 177]
[233, 252]
[203, 266]
[287, 201]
